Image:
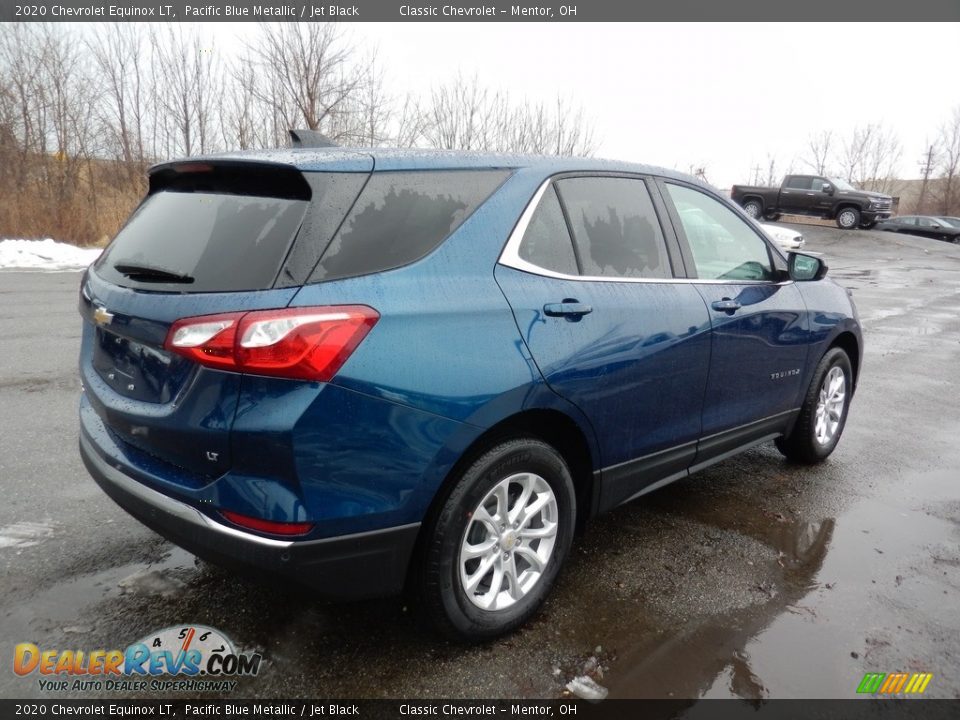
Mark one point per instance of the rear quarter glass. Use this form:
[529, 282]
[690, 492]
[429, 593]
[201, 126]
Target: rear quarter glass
[402, 216]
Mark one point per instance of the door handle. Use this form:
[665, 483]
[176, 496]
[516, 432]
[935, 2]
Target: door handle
[726, 305]
[568, 308]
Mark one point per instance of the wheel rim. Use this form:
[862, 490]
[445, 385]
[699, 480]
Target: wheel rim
[847, 218]
[752, 209]
[508, 542]
[830, 405]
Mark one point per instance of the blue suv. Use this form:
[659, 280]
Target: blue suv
[371, 371]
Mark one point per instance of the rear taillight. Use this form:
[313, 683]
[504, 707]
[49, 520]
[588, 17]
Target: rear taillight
[302, 343]
[267, 526]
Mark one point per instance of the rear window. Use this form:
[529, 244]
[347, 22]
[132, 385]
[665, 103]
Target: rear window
[209, 230]
[402, 216]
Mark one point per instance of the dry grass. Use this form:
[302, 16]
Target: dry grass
[84, 208]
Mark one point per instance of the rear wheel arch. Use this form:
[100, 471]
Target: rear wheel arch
[554, 428]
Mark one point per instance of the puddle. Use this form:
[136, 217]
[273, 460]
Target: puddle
[841, 600]
[56, 609]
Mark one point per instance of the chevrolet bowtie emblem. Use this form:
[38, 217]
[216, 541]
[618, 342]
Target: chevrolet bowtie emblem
[102, 316]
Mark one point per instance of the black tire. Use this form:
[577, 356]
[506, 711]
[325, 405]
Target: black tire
[772, 217]
[443, 598]
[802, 445]
[753, 208]
[868, 225]
[848, 218]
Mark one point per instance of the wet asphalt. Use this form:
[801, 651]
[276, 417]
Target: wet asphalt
[753, 579]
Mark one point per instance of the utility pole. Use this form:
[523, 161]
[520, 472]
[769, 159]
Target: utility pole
[926, 168]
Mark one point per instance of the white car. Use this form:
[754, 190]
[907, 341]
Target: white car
[784, 237]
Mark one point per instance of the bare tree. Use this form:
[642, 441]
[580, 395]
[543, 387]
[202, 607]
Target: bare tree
[305, 72]
[768, 174]
[187, 82]
[369, 121]
[870, 157]
[818, 148]
[408, 123]
[466, 115]
[49, 122]
[459, 115]
[244, 122]
[882, 161]
[8, 138]
[118, 52]
[855, 150]
[83, 111]
[560, 130]
[25, 116]
[948, 147]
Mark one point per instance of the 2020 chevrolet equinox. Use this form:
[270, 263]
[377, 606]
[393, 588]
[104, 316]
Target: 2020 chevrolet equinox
[376, 370]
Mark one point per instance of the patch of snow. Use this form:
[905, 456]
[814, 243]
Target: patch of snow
[45, 255]
[585, 687]
[25, 534]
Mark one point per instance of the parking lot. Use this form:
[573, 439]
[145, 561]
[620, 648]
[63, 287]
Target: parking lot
[755, 578]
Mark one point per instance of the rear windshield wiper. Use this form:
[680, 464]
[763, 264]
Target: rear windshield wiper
[145, 273]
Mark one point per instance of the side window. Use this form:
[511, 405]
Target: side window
[798, 182]
[925, 222]
[819, 184]
[401, 216]
[615, 227]
[546, 242]
[724, 246]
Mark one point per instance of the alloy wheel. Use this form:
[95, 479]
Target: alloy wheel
[508, 541]
[830, 405]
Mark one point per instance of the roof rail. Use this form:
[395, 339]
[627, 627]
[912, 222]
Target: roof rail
[310, 139]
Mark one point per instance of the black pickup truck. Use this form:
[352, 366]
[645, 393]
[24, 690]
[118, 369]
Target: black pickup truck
[814, 195]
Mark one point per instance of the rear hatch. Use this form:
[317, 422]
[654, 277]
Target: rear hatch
[210, 237]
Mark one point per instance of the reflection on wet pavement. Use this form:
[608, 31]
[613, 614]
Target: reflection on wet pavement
[800, 630]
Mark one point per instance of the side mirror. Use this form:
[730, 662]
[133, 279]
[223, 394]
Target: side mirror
[827, 188]
[804, 268]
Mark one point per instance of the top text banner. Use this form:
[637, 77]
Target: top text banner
[487, 11]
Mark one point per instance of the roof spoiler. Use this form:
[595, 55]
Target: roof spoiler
[309, 139]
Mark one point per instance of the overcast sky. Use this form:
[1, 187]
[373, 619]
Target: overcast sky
[721, 96]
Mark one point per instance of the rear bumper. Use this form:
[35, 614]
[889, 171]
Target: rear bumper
[363, 565]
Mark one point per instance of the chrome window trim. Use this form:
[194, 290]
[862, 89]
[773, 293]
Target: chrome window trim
[510, 256]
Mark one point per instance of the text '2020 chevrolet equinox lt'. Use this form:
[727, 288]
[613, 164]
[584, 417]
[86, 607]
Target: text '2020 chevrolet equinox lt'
[371, 371]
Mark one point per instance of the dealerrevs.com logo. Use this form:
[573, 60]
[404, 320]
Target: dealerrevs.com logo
[203, 654]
